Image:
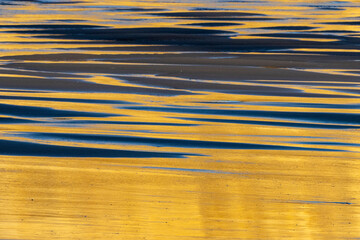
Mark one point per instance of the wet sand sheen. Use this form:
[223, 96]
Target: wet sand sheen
[179, 120]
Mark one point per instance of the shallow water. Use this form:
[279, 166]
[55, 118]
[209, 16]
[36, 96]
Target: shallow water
[179, 119]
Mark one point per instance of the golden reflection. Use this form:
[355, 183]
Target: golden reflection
[232, 135]
[100, 199]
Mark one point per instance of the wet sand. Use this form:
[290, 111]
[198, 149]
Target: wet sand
[179, 120]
